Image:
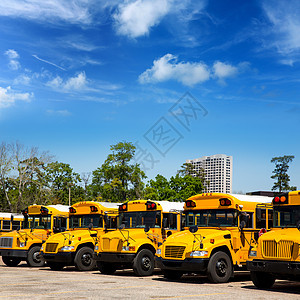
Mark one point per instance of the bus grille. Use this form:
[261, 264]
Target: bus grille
[174, 251]
[282, 249]
[51, 247]
[6, 242]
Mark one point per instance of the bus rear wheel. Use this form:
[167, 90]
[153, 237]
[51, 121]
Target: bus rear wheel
[143, 264]
[11, 261]
[106, 268]
[219, 268]
[262, 280]
[34, 259]
[84, 260]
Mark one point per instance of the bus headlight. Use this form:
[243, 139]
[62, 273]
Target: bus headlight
[23, 245]
[253, 253]
[198, 253]
[158, 251]
[96, 248]
[128, 248]
[67, 248]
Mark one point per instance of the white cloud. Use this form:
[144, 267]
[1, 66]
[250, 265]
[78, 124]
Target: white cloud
[285, 21]
[167, 68]
[8, 97]
[222, 70]
[23, 79]
[72, 11]
[135, 18]
[63, 113]
[77, 82]
[13, 57]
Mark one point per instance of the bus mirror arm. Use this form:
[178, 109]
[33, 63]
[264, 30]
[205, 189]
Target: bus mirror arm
[242, 225]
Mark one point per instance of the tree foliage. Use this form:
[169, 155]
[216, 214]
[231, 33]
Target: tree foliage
[118, 180]
[280, 173]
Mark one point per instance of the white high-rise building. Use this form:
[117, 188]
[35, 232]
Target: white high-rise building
[218, 172]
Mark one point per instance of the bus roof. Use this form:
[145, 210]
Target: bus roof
[167, 206]
[60, 207]
[253, 198]
[8, 215]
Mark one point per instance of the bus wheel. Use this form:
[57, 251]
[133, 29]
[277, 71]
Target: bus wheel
[173, 275]
[55, 266]
[11, 261]
[219, 267]
[106, 268]
[262, 280]
[143, 264]
[34, 259]
[84, 260]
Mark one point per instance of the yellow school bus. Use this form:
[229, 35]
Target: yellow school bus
[76, 246]
[143, 226]
[219, 229]
[277, 253]
[10, 221]
[39, 223]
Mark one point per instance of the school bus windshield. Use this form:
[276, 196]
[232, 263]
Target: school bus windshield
[84, 221]
[286, 216]
[37, 222]
[139, 219]
[212, 218]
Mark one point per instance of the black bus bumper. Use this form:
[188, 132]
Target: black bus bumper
[60, 257]
[14, 253]
[113, 257]
[275, 267]
[189, 265]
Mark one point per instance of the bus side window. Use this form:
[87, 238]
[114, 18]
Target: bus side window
[261, 218]
[270, 218]
[171, 220]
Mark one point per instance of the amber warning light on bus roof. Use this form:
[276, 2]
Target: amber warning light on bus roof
[93, 208]
[123, 207]
[150, 205]
[280, 200]
[225, 202]
[190, 203]
[72, 210]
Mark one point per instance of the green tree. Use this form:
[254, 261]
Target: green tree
[117, 180]
[280, 173]
[61, 177]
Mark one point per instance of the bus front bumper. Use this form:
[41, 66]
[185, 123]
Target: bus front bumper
[114, 257]
[275, 267]
[193, 265]
[14, 253]
[61, 257]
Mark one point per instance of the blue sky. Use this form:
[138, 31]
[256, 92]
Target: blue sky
[180, 79]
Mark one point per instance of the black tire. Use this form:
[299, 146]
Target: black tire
[106, 268]
[173, 275]
[11, 261]
[55, 266]
[34, 259]
[262, 280]
[84, 260]
[143, 263]
[219, 267]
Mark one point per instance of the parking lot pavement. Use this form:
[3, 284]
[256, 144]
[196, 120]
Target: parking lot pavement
[40, 283]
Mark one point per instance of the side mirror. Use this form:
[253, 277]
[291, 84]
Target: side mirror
[90, 226]
[193, 229]
[122, 226]
[147, 228]
[242, 225]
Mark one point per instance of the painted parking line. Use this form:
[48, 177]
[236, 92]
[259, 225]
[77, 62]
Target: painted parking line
[187, 296]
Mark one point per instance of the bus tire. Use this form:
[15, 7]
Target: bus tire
[219, 268]
[143, 263]
[172, 275]
[34, 259]
[84, 260]
[106, 268]
[55, 266]
[11, 261]
[262, 280]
